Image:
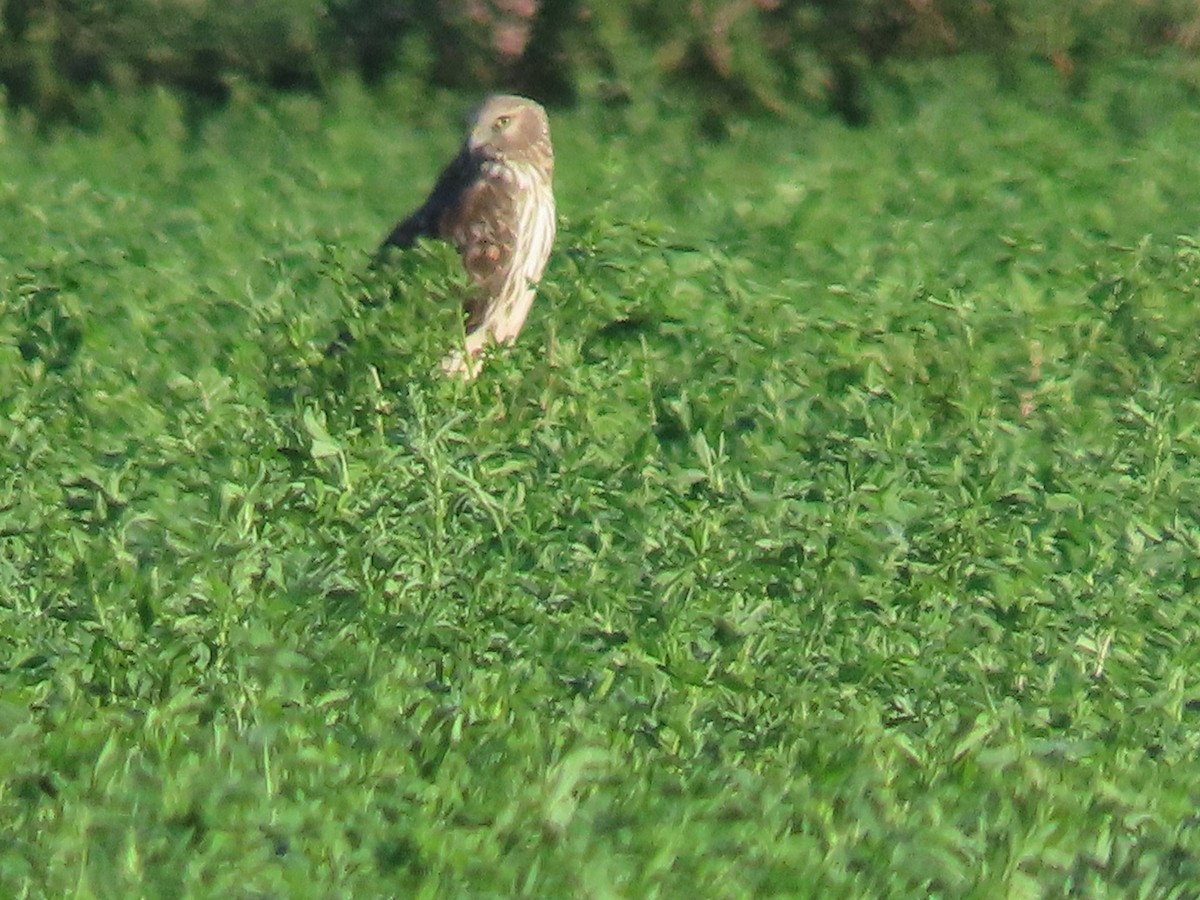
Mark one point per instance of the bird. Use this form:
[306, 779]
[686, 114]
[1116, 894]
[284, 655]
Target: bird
[494, 202]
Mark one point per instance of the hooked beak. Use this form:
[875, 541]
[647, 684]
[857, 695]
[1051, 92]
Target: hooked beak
[479, 139]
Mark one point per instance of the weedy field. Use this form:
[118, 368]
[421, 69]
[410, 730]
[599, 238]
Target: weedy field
[830, 531]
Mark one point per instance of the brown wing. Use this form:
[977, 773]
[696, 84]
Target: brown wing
[482, 226]
[475, 213]
[447, 193]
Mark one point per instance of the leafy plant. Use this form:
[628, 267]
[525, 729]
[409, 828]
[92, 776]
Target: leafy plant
[828, 530]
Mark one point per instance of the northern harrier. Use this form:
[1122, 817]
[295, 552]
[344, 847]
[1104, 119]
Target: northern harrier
[495, 203]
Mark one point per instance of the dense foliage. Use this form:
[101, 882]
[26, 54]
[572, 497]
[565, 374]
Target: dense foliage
[831, 530]
[771, 55]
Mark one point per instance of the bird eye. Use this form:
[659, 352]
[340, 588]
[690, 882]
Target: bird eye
[501, 123]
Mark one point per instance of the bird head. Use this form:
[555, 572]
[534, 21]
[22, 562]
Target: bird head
[512, 129]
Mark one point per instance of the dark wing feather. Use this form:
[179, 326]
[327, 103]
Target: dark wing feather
[447, 193]
[482, 226]
[479, 222]
[476, 214]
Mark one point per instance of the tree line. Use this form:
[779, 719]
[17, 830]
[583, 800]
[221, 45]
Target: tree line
[772, 56]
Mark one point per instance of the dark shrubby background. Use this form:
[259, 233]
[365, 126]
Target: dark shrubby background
[774, 56]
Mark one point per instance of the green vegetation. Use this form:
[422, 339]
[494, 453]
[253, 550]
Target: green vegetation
[831, 530]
